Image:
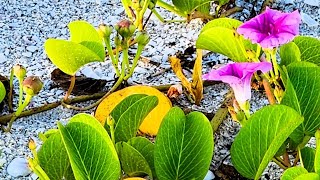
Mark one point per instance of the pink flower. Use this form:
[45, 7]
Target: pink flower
[238, 76]
[271, 28]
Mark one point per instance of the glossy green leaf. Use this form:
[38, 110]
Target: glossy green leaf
[2, 92]
[305, 78]
[124, 105]
[222, 22]
[309, 176]
[317, 155]
[220, 36]
[307, 158]
[187, 7]
[289, 53]
[146, 148]
[90, 150]
[69, 56]
[84, 47]
[184, 146]
[53, 158]
[293, 173]
[129, 122]
[310, 48]
[259, 140]
[132, 161]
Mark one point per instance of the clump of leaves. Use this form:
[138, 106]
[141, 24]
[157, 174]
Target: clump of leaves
[115, 147]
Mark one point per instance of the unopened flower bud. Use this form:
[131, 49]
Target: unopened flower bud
[32, 145]
[117, 40]
[32, 85]
[110, 121]
[19, 71]
[104, 30]
[125, 28]
[142, 38]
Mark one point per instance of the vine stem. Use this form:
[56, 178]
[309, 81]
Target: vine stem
[279, 163]
[268, 90]
[17, 113]
[72, 83]
[114, 87]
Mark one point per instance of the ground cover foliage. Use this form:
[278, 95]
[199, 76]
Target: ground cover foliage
[135, 132]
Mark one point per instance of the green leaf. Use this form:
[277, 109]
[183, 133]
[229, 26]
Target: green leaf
[85, 47]
[317, 155]
[90, 150]
[310, 49]
[305, 78]
[307, 157]
[184, 146]
[289, 53]
[293, 173]
[259, 140]
[309, 176]
[132, 161]
[222, 22]
[129, 122]
[69, 56]
[2, 92]
[189, 6]
[222, 2]
[146, 149]
[220, 36]
[124, 105]
[53, 158]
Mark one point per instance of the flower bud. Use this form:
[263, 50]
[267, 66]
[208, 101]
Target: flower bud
[19, 71]
[104, 30]
[125, 28]
[32, 85]
[110, 121]
[142, 38]
[32, 145]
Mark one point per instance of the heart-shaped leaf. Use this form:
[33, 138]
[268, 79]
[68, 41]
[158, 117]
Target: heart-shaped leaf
[132, 161]
[307, 158]
[53, 158]
[310, 48]
[85, 47]
[184, 146]
[220, 36]
[151, 122]
[129, 122]
[304, 78]
[289, 53]
[146, 149]
[187, 7]
[260, 139]
[293, 173]
[2, 92]
[90, 150]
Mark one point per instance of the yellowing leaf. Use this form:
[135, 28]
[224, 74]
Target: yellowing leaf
[195, 89]
[152, 122]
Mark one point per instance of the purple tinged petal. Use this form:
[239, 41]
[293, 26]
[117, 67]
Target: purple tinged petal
[271, 28]
[238, 76]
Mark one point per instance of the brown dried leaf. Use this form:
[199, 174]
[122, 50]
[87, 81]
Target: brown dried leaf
[83, 85]
[195, 89]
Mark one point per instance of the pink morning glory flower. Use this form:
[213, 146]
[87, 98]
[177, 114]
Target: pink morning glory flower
[271, 28]
[238, 76]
